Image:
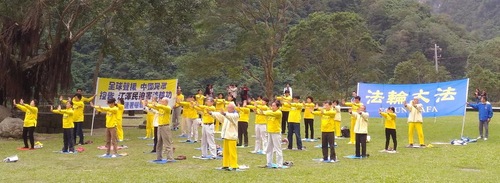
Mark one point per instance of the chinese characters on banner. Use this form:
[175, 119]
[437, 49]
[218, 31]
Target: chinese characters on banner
[438, 99]
[132, 91]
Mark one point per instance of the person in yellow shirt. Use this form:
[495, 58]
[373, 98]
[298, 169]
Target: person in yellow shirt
[260, 126]
[337, 119]
[257, 101]
[309, 117]
[164, 131]
[149, 120]
[84, 99]
[355, 104]
[285, 110]
[200, 98]
[78, 107]
[229, 136]
[119, 119]
[274, 137]
[111, 122]
[327, 114]
[176, 114]
[415, 120]
[68, 125]
[190, 117]
[155, 122]
[30, 120]
[207, 130]
[244, 113]
[294, 118]
[390, 129]
[220, 104]
[361, 130]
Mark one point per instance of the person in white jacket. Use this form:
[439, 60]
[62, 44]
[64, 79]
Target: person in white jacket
[361, 130]
[229, 134]
[415, 120]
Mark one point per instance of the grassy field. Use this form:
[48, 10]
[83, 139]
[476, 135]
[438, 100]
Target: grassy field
[477, 162]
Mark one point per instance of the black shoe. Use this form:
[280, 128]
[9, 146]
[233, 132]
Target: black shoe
[153, 151]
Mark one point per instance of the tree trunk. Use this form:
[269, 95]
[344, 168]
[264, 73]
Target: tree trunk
[98, 68]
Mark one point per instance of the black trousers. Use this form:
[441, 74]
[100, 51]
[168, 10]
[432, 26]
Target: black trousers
[155, 140]
[28, 133]
[294, 128]
[68, 140]
[328, 142]
[361, 145]
[309, 125]
[242, 133]
[78, 131]
[388, 134]
[284, 121]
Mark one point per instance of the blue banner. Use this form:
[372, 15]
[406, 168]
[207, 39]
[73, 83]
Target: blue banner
[438, 99]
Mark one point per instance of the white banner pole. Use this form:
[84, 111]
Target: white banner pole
[465, 108]
[93, 110]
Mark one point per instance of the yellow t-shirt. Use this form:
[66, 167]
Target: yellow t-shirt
[273, 121]
[244, 113]
[180, 98]
[206, 117]
[111, 120]
[390, 120]
[68, 116]
[189, 111]
[259, 118]
[308, 114]
[163, 113]
[283, 100]
[354, 106]
[295, 115]
[30, 119]
[327, 119]
[220, 104]
[78, 107]
[200, 99]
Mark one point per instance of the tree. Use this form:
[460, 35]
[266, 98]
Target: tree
[484, 68]
[418, 70]
[331, 52]
[36, 41]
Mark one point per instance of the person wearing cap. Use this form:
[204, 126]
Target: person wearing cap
[327, 114]
[190, 117]
[176, 114]
[207, 129]
[361, 130]
[286, 98]
[355, 105]
[229, 134]
[274, 137]
[164, 132]
[415, 120]
[294, 119]
[111, 122]
[260, 126]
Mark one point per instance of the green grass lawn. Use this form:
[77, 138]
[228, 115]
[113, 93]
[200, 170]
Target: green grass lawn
[477, 162]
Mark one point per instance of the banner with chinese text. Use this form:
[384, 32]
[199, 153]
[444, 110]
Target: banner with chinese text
[438, 99]
[132, 91]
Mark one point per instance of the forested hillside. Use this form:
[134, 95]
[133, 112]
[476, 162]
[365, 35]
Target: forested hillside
[322, 47]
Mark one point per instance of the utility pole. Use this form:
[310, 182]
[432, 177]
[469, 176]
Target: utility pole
[436, 48]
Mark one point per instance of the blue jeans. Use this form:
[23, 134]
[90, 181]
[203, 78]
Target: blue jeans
[483, 124]
[294, 128]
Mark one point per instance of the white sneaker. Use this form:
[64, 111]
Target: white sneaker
[253, 152]
[113, 156]
[485, 139]
[350, 143]
[382, 151]
[104, 155]
[392, 152]
[479, 137]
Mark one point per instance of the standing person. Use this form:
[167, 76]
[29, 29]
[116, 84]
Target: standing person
[149, 120]
[287, 87]
[485, 115]
[200, 98]
[285, 110]
[390, 129]
[415, 120]
[164, 132]
[78, 116]
[355, 105]
[244, 113]
[229, 136]
[84, 99]
[260, 126]
[232, 90]
[361, 130]
[327, 131]
[220, 104]
[190, 117]
[309, 117]
[209, 91]
[119, 119]
[354, 94]
[30, 120]
[111, 122]
[477, 95]
[68, 125]
[207, 129]
[338, 118]
[176, 115]
[155, 122]
[244, 93]
[294, 119]
[274, 137]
